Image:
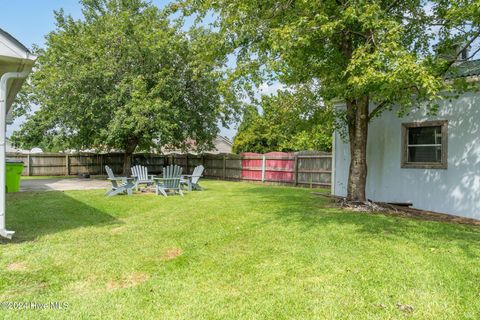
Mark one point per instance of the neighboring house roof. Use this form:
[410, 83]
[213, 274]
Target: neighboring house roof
[470, 68]
[14, 57]
[11, 39]
[221, 145]
[10, 148]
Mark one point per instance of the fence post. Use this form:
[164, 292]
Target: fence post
[295, 170]
[186, 162]
[264, 164]
[28, 165]
[224, 166]
[67, 165]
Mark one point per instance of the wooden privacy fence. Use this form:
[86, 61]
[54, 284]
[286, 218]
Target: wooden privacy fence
[301, 168]
[312, 169]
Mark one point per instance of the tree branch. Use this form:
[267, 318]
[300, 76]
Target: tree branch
[468, 44]
[384, 103]
[357, 33]
[392, 5]
[473, 54]
[377, 110]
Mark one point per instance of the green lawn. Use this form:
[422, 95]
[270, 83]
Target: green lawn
[234, 251]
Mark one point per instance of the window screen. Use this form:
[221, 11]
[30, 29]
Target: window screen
[425, 144]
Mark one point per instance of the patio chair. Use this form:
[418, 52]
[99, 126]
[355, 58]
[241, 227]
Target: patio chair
[191, 180]
[170, 181]
[142, 176]
[119, 184]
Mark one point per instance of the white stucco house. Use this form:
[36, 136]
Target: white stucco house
[16, 62]
[432, 162]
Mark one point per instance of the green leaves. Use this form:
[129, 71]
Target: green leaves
[290, 121]
[125, 77]
[379, 49]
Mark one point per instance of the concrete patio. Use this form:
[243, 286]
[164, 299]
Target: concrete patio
[63, 184]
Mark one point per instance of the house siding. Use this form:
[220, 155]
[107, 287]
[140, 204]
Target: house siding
[222, 145]
[455, 190]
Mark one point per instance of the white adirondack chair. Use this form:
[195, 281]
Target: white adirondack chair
[119, 184]
[191, 180]
[170, 181]
[142, 176]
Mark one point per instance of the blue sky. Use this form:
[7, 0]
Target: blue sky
[30, 20]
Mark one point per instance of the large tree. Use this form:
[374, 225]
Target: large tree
[290, 120]
[124, 77]
[373, 55]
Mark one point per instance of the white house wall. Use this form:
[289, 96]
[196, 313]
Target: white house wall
[455, 190]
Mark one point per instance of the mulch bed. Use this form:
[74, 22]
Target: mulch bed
[397, 210]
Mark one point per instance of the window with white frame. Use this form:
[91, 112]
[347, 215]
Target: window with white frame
[424, 144]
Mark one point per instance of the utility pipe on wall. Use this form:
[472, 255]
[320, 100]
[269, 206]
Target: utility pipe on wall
[3, 115]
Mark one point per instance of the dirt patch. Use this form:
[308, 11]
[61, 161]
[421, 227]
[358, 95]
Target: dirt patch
[397, 210]
[84, 286]
[17, 266]
[171, 254]
[428, 215]
[80, 287]
[129, 281]
[118, 230]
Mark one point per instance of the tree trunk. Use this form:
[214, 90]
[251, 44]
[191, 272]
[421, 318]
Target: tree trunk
[127, 163]
[357, 112]
[127, 157]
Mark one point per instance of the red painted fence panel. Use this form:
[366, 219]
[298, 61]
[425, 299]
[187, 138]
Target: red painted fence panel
[251, 166]
[279, 166]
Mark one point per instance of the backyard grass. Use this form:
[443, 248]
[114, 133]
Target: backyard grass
[234, 251]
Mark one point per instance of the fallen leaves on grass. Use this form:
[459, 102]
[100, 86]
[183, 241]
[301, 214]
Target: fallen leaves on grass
[405, 307]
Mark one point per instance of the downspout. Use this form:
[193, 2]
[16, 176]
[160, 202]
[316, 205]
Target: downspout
[3, 115]
[334, 159]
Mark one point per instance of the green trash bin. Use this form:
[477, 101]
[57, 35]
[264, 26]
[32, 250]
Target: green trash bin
[14, 171]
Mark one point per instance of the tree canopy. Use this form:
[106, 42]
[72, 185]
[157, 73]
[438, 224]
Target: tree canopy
[287, 121]
[127, 78]
[375, 55]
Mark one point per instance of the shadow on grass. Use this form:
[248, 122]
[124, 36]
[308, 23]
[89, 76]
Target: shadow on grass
[35, 214]
[309, 211]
